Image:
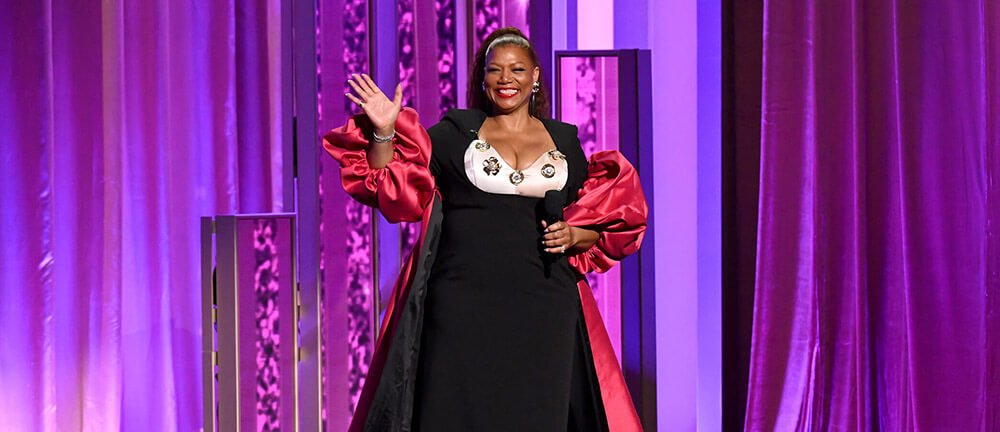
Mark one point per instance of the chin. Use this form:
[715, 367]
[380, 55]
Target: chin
[506, 106]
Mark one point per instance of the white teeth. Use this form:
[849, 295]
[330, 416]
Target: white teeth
[508, 92]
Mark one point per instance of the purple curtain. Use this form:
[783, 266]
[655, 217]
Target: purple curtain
[121, 123]
[877, 253]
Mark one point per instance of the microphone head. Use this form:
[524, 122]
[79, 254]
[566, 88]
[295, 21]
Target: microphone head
[553, 206]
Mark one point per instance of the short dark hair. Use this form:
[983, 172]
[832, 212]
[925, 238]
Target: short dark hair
[476, 97]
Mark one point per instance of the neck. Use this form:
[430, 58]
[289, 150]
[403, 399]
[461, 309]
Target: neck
[513, 121]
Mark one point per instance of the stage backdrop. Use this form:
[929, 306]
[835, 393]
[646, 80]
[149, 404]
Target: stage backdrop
[120, 124]
[878, 250]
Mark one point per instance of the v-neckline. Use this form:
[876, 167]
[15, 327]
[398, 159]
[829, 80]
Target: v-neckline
[547, 130]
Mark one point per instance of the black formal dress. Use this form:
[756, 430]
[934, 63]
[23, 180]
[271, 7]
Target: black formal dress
[487, 330]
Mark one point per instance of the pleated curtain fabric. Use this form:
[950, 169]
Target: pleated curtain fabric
[122, 123]
[878, 248]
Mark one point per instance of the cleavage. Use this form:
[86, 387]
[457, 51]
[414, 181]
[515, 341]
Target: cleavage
[517, 157]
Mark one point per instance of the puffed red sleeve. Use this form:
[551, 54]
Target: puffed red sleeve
[610, 202]
[404, 186]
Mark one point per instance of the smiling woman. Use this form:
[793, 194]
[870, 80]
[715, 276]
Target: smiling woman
[492, 325]
[481, 68]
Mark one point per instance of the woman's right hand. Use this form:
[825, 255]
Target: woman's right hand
[381, 111]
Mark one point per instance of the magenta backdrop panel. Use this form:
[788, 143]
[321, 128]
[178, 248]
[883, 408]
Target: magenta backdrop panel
[425, 53]
[346, 232]
[588, 92]
[489, 15]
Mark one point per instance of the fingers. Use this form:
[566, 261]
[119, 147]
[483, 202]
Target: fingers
[557, 249]
[398, 98]
[357, 89]
[364, 84]
[371, 84]
[355, 99]
[558, 226]
[558, 237]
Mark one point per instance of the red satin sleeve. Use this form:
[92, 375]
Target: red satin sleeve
[610, 202]
[404, 186]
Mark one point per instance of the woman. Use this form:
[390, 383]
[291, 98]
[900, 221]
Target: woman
[492, 325]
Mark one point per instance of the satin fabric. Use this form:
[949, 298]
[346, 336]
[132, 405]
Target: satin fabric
[611, 202]
[877, 251]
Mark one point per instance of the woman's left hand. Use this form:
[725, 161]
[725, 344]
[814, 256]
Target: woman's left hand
[561, 237]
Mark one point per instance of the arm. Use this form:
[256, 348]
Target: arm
[400, 183]
[382, 113]
[611, 204]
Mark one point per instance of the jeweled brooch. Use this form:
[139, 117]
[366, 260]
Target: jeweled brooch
[482, 145]
[491, 166]
[556, 155]
[548, 171]
[516, 177]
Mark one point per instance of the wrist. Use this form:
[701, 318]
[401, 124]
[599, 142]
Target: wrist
[383, 139]
[385, 131]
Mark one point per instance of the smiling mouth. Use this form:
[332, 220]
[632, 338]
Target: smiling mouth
[507, 92]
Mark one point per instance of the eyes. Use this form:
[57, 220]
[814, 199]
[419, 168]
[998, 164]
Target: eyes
[495, 69]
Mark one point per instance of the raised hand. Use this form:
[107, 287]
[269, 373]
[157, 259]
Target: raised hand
[380, 110]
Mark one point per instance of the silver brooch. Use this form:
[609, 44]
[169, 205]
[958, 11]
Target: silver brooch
[548, 171]
[516, 177]
[556, 155]
[482, 145]
[491, 166]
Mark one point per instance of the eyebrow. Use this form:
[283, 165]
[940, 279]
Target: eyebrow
[512, 64]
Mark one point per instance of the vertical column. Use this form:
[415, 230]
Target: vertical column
[595, 30]
[361, 225]
[486, 16]
[709, 197]
[673, 42]
[307, 208]
[384, 45]
[463, 58]
[229, 384]
[413, 96]
[347, 227]
[606, 93]
[255, 312]
[426, 58]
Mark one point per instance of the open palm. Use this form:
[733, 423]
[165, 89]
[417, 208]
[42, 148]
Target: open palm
[380, 110]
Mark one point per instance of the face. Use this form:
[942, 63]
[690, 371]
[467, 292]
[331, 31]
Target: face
[510, 75]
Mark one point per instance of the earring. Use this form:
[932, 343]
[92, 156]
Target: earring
[534, 87]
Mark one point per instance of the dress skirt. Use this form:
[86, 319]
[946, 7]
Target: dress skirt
[504, 345]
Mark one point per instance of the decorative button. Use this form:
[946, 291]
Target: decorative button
[548, 171]
[491, 166]
[516, 177]
[481, 145]
[556, 155]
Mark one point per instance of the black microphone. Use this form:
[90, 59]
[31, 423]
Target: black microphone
[552, 207]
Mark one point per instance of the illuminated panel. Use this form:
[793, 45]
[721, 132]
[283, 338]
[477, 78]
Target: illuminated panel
[588, 98]
[255, 304]
[606, 93]
[425, 53]
[347, 269]
[489, 15]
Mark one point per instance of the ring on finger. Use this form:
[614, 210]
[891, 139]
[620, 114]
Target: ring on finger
[562, 249]
[362, 104]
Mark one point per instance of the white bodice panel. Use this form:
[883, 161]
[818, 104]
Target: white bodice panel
[490, 173]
